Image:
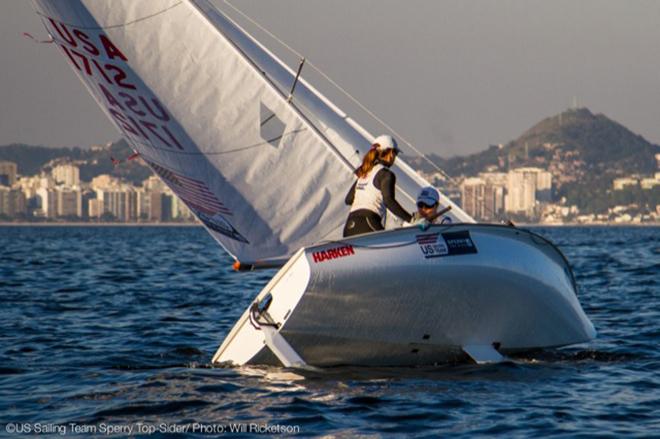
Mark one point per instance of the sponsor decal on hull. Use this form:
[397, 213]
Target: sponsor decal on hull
[332, 253]
[459, 243]
[431, 247]
[451, 244]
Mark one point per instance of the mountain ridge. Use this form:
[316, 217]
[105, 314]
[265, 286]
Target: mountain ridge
[584, 152]
[595, 136]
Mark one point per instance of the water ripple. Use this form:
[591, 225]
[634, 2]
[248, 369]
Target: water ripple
[119, 325]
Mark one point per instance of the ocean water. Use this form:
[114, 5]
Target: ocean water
[110, 331]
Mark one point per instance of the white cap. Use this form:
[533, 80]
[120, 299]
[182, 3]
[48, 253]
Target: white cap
[429, 196]
[385, 142]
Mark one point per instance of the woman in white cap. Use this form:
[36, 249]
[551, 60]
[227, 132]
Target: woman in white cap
[373, 193]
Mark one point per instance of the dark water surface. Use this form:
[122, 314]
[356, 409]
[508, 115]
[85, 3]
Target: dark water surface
[106, 328]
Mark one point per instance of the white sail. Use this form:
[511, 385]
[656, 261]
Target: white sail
[349, 138]
[206, 108]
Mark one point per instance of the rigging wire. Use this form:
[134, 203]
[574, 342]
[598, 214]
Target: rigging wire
[112, 26]
[375, 117]
[343, 91]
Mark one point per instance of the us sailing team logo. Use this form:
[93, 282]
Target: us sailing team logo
[201, 201]
[451, 244]
[431, 247]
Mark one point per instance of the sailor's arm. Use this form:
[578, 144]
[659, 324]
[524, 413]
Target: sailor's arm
[387, 184]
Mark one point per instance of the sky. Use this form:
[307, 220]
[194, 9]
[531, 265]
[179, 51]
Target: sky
[451, 76]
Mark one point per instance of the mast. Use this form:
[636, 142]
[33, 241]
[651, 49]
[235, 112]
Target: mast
[350, 139]
[209, 110]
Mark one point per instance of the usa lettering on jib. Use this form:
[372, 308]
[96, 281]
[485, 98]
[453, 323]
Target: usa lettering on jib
[105, 68]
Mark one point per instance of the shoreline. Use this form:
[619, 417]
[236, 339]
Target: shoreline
[83, 224]
[589, 225]
[120, 224]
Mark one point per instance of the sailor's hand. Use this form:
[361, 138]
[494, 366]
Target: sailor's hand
[424, 226]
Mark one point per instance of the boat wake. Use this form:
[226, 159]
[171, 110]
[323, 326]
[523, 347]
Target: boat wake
[576, 356]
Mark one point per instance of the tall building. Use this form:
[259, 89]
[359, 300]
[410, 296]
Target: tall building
[172, 208]
[472, 196]
[179, 210]
[67, 175]
[149, 205]
[153, 183]
[12, 202]
[114, 198]
[47, 202]
[157, 202]
[526, 186]
[131, 209]
[142, 204]
[543, 185]
[95, 208]
[8, 172]
[69, 202]
[103, 181]
[46, 181]
[483, 197]
[119, 201]
[521, 192]
[494, 194]
[29, 186]
[155, 212]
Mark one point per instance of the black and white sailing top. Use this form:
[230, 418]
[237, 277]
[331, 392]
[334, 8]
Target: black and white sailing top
[375, 192]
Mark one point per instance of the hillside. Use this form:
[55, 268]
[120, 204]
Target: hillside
[583, 151]
[92, 162]
[599, 141]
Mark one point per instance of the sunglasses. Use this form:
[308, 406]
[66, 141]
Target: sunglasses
[426, 206]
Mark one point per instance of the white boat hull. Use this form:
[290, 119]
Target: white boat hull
[408, 297]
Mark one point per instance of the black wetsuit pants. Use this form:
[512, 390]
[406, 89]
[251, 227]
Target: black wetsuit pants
[362, 221]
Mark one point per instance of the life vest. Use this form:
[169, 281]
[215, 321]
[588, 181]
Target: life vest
[368, 196]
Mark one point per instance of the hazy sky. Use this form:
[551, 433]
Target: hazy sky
[451, 76]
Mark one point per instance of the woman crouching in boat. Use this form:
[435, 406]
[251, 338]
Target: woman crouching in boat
[373, 193]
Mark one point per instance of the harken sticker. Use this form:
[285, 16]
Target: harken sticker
[333, 253]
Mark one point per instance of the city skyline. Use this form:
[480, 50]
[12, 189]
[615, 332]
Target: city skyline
[60, 194]
[522, 193]
[450, 76]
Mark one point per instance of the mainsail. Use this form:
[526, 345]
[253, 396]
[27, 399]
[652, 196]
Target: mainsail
[206, 107]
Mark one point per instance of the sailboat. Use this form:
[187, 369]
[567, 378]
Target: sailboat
[263, 160]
